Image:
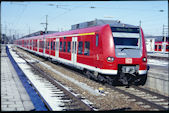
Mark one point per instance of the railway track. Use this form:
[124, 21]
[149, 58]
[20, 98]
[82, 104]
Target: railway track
[145, 98]
[56, 96]
[141, 96]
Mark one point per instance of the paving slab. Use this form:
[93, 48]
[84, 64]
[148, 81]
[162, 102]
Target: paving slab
[13, 94]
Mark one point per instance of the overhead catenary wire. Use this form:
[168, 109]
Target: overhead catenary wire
[70, 8]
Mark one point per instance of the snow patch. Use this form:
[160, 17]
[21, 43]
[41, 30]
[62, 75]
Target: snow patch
[157, 62]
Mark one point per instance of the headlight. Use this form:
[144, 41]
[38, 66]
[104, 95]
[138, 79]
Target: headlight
[144, 59]
[110, 59]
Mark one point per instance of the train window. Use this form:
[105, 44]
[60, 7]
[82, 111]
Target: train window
[72, 46]
[42, 44]
[48, 45]
[25, 43]
[68, 47]
[97, 40]
[167, 47]
[34, 43]
[60, 46]
[75, 48]
[53, 46]
[155, 46]
[80, 47]
[64, 47]
[87, 48]
[159, 46]
[126, 41]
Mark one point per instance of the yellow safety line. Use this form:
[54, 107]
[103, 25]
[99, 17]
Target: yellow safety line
[92, 33]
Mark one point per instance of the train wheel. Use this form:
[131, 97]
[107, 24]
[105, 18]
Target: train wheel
[101, 79]
[87, 73]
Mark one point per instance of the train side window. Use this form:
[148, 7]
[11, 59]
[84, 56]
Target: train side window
[97, 40]
[53, 46]
[80, 47]
[87, 48]
[64, 47]
[35, 43]
[159, 46]
[48, 45]
[42, 44]
[25, 43]
[155, 46]
[68, 47]
[60, 46]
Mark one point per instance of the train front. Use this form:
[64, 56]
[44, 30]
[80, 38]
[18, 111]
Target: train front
[129, 55]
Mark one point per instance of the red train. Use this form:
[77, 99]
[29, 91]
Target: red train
[106, 53]
[162, 46]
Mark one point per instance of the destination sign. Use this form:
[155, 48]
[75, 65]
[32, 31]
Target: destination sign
[123, 29]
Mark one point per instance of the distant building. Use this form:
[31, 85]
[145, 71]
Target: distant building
[150, 44]
[157, 38]
[157, 44]
[4, 39]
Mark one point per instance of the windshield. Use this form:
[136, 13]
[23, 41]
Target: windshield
[126, 41]
[126, 37]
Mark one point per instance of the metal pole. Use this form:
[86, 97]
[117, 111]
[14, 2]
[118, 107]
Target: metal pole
[46, 23]
[140, 23]
[163, 30]
[29, 30]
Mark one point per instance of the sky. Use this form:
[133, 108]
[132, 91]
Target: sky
[22, 18]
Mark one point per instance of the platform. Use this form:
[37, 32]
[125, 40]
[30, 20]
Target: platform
[13, 94]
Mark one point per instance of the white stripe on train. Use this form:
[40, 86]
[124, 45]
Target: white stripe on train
[82, 66]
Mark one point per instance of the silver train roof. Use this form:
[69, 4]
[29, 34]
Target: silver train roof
[96, 22]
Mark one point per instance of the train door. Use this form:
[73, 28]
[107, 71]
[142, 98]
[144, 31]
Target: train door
[96, 60]
[49, 45]
[44, 46]
[47, 51]
[52, 46]
[57, 48]
[74, 50]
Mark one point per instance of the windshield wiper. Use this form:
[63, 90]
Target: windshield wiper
[125, 48]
